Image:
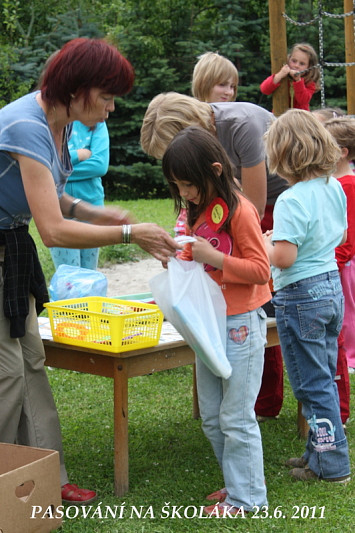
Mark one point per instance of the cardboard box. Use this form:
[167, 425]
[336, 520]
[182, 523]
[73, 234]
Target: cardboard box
[28, 477]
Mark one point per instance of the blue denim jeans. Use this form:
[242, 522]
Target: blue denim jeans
[227, 410]
[309, 315]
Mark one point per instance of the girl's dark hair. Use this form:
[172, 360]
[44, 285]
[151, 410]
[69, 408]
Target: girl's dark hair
[189, 157]
[84, 64]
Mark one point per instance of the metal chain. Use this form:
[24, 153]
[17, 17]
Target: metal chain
[322, 63]
[325, 64]
[321, 55]
[291, 21]
[321, 13]
[340, 16]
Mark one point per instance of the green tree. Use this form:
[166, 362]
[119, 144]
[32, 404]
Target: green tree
[30, 32]
[162, 39]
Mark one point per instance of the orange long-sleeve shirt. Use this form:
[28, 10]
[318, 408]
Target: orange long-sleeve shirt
[246, 270]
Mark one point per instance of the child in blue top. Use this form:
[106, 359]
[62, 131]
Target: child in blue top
[309, 222]
[89, 150]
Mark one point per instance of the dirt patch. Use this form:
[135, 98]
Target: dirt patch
[131, 278]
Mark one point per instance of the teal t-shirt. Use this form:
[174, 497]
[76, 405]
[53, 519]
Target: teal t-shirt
[312, 215]
[85, 180]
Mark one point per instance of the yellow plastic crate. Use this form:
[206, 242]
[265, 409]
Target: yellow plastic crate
[105, 323]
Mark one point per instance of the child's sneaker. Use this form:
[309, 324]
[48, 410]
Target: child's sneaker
[296, 462]
[306, 474]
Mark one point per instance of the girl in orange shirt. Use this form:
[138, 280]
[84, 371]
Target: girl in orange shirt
[230, 245]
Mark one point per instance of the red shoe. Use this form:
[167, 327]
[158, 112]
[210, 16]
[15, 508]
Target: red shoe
[72, 494]
[223, 510]
[218, 496]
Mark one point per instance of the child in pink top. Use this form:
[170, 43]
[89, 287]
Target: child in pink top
[302, 76]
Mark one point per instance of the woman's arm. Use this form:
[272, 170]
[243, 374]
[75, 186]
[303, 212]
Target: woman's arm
[86, 212]
[254, 183]
[105, 228]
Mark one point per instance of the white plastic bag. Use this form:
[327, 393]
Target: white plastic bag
[76, 282]
[194, 304]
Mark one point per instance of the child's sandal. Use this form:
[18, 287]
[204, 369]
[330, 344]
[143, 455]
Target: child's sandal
[219, 496]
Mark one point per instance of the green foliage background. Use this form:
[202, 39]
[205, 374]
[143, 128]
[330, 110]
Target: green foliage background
[162, 39]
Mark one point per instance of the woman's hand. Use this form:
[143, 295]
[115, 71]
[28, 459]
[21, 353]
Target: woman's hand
[154, 240]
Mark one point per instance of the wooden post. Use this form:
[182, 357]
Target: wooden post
[278, 53]
[120, 414]
[302, 424]
[350, 56]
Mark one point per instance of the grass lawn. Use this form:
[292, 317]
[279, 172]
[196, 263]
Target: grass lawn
[172, 466]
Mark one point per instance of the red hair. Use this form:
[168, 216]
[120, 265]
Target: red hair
[84, 64]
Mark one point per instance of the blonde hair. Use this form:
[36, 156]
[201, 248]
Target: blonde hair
[298, 147]
[312, 74]
[343, 131]
[326, 113]
[166, 115]
[210, 70]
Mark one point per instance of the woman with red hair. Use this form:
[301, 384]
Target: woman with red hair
[79, 83]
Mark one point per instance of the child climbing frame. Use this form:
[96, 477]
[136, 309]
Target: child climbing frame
[278, 49]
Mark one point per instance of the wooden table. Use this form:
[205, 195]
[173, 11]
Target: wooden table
[121, 366]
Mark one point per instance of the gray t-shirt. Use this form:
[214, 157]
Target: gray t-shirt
[24, 130]
[240, 129]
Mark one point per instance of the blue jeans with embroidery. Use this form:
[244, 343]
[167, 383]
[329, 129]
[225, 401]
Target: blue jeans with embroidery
[227, 410]
[309, 315]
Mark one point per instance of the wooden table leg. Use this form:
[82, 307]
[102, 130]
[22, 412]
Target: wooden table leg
[302, 424]
[120, 424]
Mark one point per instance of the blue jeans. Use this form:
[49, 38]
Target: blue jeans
[309, 315]
[227, 410]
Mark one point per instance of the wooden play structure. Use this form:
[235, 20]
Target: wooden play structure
[278, 51]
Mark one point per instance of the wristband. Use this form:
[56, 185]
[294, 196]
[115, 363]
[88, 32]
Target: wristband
[73, 207]
[126, 233]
